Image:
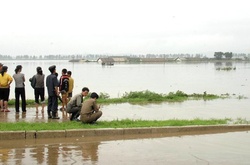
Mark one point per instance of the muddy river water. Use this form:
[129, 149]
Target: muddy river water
[220, 148]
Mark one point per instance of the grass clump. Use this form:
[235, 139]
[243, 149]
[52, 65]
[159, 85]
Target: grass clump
[126, 123]
[149, 97]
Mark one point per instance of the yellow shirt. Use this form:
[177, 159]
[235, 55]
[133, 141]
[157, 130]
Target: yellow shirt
[71, 85]
[5, 80]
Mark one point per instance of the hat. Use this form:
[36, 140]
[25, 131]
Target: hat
[52, 68]
[1, 64]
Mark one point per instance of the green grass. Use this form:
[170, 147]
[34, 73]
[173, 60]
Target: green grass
[145, 97]
[126, 123]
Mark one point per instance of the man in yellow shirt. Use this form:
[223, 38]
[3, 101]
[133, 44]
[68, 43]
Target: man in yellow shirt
[71, 85]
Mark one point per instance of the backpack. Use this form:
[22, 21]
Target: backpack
[64, 83]
[33, 81]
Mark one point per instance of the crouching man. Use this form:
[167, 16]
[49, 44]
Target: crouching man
[90, 110]
[75, 104]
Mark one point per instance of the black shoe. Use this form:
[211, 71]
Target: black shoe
[49, 115]
[73, 116]
[55, 117]
[93, 122]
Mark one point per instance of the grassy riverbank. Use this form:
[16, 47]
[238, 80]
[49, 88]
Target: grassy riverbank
[147, 97]
[126, 123]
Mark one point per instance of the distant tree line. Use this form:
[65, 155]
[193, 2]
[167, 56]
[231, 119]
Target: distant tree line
[219, 55]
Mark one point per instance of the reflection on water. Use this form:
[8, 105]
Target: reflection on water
[217, 109]
[221, 148]
[52, 153]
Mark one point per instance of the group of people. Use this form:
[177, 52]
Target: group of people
[57, 88]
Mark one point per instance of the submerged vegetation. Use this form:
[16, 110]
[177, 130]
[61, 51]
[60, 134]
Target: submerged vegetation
[226, 68]
[126, 123]
[148, 97]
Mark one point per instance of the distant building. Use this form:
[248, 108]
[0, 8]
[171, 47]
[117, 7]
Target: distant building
[106, 61]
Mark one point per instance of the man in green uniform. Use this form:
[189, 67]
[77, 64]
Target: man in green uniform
[90, 112]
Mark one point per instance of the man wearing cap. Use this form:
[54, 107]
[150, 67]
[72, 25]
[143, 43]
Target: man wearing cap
[53, 93]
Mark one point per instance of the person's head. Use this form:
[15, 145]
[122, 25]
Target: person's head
[52, 69]
[94, 95]
[1, 65]
[18, 68]
[64, 71]
[85, 91]
[39, 70]
[4, 69]
[69, 73]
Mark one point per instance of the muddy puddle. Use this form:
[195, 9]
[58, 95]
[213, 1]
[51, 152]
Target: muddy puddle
[212, 148]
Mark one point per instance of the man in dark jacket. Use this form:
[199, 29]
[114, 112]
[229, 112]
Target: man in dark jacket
[53, 93]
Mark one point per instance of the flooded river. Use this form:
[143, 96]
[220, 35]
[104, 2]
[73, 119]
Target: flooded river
[218, 149]
[156, 77]
[221, 148]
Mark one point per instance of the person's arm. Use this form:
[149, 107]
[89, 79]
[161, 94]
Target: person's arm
[96, 107]
[10, 81]
[55, 81]
[57, 90]
[79, 101]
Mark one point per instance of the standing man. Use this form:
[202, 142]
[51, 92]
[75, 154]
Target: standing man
[90, 110]
[53, 93]
[71, 84]
[19, 89]
[75, 104]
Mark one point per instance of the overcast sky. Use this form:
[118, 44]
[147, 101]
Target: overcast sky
[124, 26]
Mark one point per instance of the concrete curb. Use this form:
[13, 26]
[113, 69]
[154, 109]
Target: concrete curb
[13, 135]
